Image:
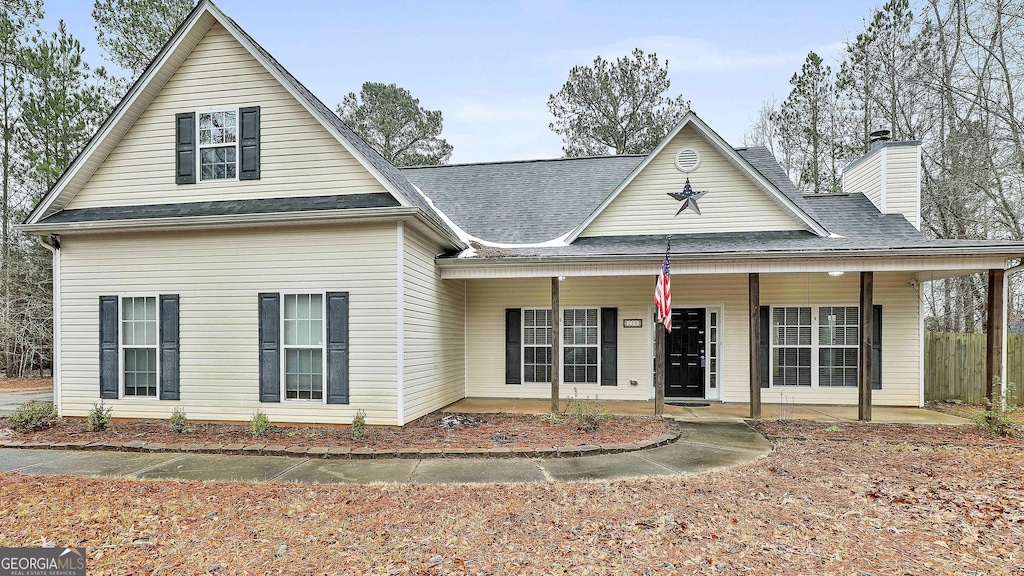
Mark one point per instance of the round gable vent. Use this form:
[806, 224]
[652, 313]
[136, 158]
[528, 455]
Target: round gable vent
[687, 160]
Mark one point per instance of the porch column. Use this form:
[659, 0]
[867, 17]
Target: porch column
[867, 304]
[556, 349]
[994, 338]
[754, 289]
[659, 368]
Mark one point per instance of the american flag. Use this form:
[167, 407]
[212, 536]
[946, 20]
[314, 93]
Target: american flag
[663, 293]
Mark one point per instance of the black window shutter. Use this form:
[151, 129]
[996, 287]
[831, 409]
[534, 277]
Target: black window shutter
[513, 346]
[609, 346]
[766, 345]
[876, 347]
[337, 347]
[108, 347]
[270, 347]
[185, 148]
[249, 143]
[169, 355]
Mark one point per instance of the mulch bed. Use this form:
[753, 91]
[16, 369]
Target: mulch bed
[969, 411]
[26, 383]
[965, 435]
[472, 431]
[810, 507]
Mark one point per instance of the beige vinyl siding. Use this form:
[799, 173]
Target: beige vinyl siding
[633, 296]
[866, 178]
[434, 324]
[218, 275]
[734, 203]
[901, 182]
[298, 156]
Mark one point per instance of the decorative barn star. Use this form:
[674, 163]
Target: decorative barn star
[688, 198]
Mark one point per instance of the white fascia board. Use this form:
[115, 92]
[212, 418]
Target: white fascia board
[729, 153]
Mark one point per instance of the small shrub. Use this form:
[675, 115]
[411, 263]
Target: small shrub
[833, 429]
[996, 419]
[99, 417]
[260, 424]
[552, 418]
[585, 415]
[178, 420]
[33, 416]
[359, 425]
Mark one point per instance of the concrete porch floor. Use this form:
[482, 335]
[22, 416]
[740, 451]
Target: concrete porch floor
[716, 411]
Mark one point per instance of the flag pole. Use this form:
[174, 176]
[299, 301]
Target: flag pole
[659, 352]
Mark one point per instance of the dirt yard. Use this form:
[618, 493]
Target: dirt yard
[435, 430]
[26, 384]
[866, 499]
[969, 411]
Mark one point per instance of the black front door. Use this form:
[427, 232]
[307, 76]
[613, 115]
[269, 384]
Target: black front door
[684, 354]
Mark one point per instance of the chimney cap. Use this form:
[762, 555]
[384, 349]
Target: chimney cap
[880, 136]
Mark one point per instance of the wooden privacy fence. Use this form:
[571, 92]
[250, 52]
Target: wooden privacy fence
[954, 367]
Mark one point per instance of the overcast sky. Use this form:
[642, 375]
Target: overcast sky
[490, 66]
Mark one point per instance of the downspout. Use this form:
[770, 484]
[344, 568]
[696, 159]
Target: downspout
[1007, 276]
[52, 243]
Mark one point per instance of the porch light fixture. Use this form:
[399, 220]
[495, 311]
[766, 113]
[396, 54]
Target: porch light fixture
[836, 273]
[561, 278]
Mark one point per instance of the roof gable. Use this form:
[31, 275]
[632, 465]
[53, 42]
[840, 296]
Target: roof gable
[739, 198]
[204, 17]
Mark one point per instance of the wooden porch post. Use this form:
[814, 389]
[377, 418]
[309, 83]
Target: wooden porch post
[994, 337]
[556, 349]
[659, 369]
[867, 305]
[754, 289]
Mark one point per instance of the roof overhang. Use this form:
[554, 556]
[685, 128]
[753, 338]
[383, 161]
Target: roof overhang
[730, 154]
[956, 261]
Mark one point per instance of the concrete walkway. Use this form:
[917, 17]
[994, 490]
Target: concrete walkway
[718, 411]
[11, 399]
[703, 446]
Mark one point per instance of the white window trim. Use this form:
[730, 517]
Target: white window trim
[815, 344]
[522, 346]
[819, 346]
[322, 346]
[719, 350]
[562, 345]
[716, 307]
[120, 346]
[199, 147]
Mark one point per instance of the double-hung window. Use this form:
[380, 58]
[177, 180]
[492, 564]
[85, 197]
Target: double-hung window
[218, 145]
[139, 346]
[580, 346]
[791, 346]
[838, 341]
[303, 346]
[537, 345]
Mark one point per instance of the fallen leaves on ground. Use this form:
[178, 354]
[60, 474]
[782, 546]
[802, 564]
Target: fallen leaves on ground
[970, 411]
[26, 384]
[485, 431]
[870, 504]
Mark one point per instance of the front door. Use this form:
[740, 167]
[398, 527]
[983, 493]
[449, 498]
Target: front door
[685, 354]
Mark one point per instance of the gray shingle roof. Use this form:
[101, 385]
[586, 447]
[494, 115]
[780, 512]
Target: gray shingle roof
[525, 202]
[224, 208]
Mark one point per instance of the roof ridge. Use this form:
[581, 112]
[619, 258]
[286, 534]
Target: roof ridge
[524, 161]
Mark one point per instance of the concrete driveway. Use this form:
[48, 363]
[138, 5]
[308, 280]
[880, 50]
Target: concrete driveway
[11, 399]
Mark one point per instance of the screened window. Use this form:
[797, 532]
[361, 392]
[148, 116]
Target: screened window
[138, 345]
[303, 346]
[537, 345]
[580, 346]
[791, 347]
[218, 137]
[838, 341]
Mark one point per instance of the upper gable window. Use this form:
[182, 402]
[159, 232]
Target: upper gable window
[218, 145]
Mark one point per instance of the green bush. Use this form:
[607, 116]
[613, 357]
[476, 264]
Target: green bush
[260, 424]
[178, 420]
[99, 417]
[359, 425]
[995, 419]
[585, 415]
[33, 416]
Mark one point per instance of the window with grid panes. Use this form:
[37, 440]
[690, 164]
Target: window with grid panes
[303, 346]
[139, 345]
[791, 346]
[580, 346]
[838, 340]
[537, 345]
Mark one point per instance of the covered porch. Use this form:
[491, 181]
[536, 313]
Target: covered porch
[819, 338]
